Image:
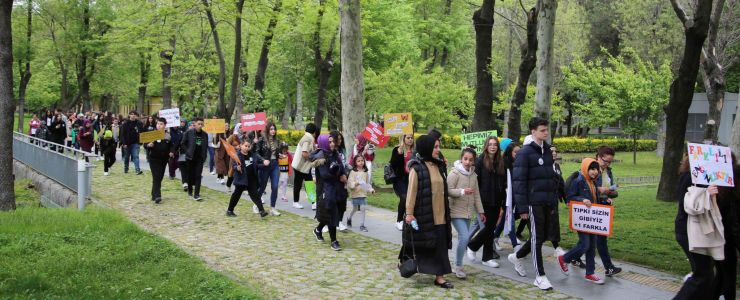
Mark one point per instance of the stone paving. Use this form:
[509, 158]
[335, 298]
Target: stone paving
[279, 255]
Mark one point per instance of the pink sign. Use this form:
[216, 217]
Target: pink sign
[253, 121]
[375, 134]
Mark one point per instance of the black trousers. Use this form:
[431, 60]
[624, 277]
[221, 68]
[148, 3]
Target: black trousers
[401, 208]
[183, 166]
[157, 165]
[700, 284]
[298, 180]
[726, 272]
[172, 166]
[484, 237]
[252, 190]
[108, 160]
[194, 170]
[539, 230]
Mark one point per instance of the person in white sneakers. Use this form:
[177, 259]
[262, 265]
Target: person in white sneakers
[399, 162]
[301, 164]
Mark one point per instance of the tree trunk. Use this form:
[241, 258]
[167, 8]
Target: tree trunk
[83, 81]
[166, 55]
[713, 76]
[244, 79]
[483, 24]
[352, 85]
[65, 102]
[660, 147]
[7, 106]
[259, 76]
[529, 61]
[298, 123]
[545, 34]
[286, 113]
[221, 109]
[235, 84]
[681, 94]
[144, 68]
[25, 72]
[324, 67]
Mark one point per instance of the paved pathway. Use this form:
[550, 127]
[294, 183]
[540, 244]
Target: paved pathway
[281, 255]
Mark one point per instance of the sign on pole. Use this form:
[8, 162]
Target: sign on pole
[374, 133]
[477, 139]
[172, 116]
[711, 165]
[214, 126]
[253, 121]
[595, 220]
[398, 124]
[151, 136]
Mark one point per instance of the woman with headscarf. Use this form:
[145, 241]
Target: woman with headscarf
[331, 178]
[427, 203]
[87, 139]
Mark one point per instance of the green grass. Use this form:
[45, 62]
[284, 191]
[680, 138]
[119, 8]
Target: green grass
[97, 254]
[26, 118]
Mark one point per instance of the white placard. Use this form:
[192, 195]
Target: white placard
[172, 116]
[711, 165]
[594, 220]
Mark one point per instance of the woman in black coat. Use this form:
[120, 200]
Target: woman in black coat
[330, 174]
[400, 156]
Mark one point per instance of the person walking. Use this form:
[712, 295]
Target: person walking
[492, 185]
[607, 187]
[222, 157]
[400, 157]
[359, 186]
[301, 164]
[58, 129]
[285, 171]
[176, 137]
[269, 148]
[33, 125]
[427, 203]
[129, 136]
[195, 145]
[245, 178]
[160, 151]
[535, 195]
[507, 221]
[86, 137]
[108, 148]
[365, 149]
[331, 177]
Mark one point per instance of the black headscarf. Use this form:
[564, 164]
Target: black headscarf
[425, 147]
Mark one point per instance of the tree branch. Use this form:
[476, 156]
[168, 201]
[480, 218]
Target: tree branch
[680, 12]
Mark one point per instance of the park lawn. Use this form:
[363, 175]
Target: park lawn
[97, 254]
[25, 122]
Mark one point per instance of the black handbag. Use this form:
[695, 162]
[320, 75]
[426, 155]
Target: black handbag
[409, 267]
[389, 175]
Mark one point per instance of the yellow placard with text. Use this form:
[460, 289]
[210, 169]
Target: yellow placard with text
[214, 126]
[151, 136]
[398, 123]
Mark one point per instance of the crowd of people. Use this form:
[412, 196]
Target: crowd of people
[480, 195]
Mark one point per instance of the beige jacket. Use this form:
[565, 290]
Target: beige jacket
[357, 183]
[463, 206]
[704, 225]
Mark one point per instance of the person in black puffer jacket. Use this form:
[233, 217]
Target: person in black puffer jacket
[160, 151]
[535, 193]
[330, 174]
[427, 203]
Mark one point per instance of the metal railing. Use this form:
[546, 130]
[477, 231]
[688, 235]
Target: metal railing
[65, 165]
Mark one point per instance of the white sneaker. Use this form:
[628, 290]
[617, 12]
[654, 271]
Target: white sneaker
[342, 227]
[517, 247]
[459, 273]
[313, 206]
[559, 252]
[688, 276]
[297, 205]
[542, 283]
[470, 254]
[326, 229]
[496, 245]
[399, 226]
[274, 212]
[213, 173]
[491, 263]
[518, 267]
[105, 173]
[255, 209]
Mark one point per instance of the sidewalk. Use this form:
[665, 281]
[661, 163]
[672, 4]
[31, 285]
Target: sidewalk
[633, 283]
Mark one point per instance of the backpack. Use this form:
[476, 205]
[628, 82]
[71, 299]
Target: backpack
[569, 182]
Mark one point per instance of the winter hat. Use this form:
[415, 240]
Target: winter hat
[505, 142]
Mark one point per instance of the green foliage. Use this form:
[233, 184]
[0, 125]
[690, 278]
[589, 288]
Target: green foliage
[575, 145]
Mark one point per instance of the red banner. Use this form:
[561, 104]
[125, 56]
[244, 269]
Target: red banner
[375, 134]
[253, 121]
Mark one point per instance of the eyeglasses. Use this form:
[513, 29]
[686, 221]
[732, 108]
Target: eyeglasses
[608, 162]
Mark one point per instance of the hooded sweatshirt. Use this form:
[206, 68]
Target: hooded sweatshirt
[463, 206]
[583, 187]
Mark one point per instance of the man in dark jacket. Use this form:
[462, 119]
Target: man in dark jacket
[535, 193]
[58, 130]
[160, 152]
[195, 146]
[129, 137]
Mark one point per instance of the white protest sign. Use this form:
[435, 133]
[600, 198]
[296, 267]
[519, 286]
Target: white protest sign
[711, 165]
[172, 116]
[594, 220]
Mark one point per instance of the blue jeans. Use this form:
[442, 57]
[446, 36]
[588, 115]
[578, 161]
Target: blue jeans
[586, 244]
[131, 153]
[272, 173]
[603, 248]
[500, 228]
[463, 236]
[211, 160]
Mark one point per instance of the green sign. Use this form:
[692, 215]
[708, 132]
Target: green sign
[310, 191]
[476, 139]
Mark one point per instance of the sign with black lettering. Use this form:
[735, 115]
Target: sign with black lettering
[594, 220]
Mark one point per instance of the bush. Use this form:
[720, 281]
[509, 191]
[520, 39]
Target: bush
[564, 144]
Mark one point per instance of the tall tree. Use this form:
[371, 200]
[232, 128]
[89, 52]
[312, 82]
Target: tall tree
[145, 59]
[483, 24]
[528, 50]
[166, 55]
[7, 106]
[545, 64]
[324, 66]
[696, 28]
[352, 86]
[221, 108]
[259, 76]
[24, 67]
[716, 58]
[235, 84]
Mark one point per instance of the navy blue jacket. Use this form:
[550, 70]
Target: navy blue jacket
[580, 191]
[533, 183]
[249, 172]
[329, 173]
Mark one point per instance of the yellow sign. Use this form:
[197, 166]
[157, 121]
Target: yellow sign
[151, 136]
[214, 126]
[398, 124]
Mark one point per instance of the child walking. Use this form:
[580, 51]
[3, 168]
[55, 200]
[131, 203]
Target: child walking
[359, 186]
[465, 203]
[285, 170]
[245, 179]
